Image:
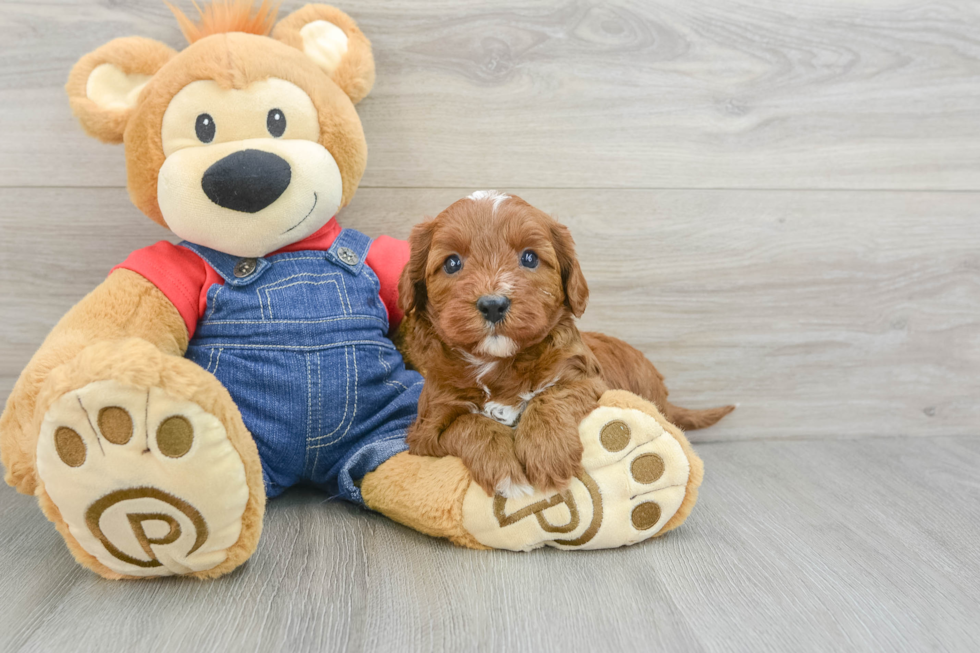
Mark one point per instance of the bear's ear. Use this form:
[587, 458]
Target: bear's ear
[331, 39]
[104, 85]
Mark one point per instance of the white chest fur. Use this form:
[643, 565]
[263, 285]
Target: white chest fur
[506, 415]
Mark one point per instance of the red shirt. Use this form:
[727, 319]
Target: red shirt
[184, 277]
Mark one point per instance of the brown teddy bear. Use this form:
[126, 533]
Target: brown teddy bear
[199, 379]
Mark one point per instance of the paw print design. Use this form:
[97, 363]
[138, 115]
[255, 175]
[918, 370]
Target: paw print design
[149, 485]
[634, 480]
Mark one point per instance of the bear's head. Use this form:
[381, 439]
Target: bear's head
[242, 142]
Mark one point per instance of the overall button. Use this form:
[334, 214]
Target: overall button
[245, 267]
[347, 255]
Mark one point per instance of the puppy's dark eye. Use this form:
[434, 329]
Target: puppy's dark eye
[529, 259]
[275, 122]
[204, 128]
[453, 264]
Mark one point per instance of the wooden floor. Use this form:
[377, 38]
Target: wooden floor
[815, 545]
[778, 202]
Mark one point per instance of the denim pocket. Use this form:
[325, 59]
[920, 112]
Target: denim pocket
[333, 375]
[305, 295]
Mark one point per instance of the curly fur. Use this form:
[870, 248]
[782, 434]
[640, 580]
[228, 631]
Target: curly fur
[555, 374]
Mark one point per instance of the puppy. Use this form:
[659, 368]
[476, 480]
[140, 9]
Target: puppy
[490, 294]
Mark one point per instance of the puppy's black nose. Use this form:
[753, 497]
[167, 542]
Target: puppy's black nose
[247, 181]
[493, 307]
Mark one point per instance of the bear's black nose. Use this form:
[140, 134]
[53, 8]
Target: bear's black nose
[247, 181]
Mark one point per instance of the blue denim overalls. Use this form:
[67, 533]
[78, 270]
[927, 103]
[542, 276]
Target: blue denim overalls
[299, 340]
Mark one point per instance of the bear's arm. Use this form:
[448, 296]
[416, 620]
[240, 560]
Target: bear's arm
[125, 305]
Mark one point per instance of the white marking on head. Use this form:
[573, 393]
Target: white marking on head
[493, 195]
[505, 283]
[497, 346]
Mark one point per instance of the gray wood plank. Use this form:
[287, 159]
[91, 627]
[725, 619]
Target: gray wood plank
[823, 314]
[680, 93]
[807, 546]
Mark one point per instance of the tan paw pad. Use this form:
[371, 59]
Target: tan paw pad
[634, 480]
[148, 484]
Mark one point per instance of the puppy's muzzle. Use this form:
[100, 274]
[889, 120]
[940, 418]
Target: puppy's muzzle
[493, 307]
[247, 181]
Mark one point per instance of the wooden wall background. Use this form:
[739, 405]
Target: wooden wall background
[778, 206]
[779, 202]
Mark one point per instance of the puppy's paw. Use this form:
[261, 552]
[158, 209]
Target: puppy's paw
[499, 475]
[550, 461]
[509, 489]
[637, 481]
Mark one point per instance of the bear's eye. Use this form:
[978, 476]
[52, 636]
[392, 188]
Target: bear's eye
[205, 128]
[529, 259]
[275, 122]
[453, 264]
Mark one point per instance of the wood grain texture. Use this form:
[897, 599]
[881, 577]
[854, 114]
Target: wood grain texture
[692, 147]
[822, 314]
[803, 546]
[578, 93]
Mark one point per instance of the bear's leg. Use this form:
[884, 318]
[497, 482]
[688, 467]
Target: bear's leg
[145, 466]
[640, 479]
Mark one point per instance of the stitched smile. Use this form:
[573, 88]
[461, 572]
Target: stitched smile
[304, 218]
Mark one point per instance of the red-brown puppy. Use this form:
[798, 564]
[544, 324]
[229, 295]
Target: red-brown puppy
[490, 295]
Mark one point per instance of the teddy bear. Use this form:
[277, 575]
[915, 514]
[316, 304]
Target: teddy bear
[200, 379]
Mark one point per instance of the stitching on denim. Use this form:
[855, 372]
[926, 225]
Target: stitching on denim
[258, 295]
[391, 438]
[315, 275]
[346, 402]
[217, 361]
[309, 398]
[274, 286]
[346, 343]
[214, 301]
[282, 257]
[319, 394]
[350, 422]
[210, 359]
[268, 292]
[396, 436]
[280, 284]
[353, 354]
[343, 285]
[326, 319]
[388, 371]
[309, 444]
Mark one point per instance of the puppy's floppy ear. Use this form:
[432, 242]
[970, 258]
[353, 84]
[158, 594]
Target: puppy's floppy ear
[572, 279]
[332, 40]
[412, 294]
[104, 85]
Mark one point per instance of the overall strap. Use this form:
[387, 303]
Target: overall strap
[349, 250]
[235, 270]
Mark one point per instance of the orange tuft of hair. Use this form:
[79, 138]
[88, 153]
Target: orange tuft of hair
[221, 16]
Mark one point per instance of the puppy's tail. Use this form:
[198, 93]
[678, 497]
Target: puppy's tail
[688, 419]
